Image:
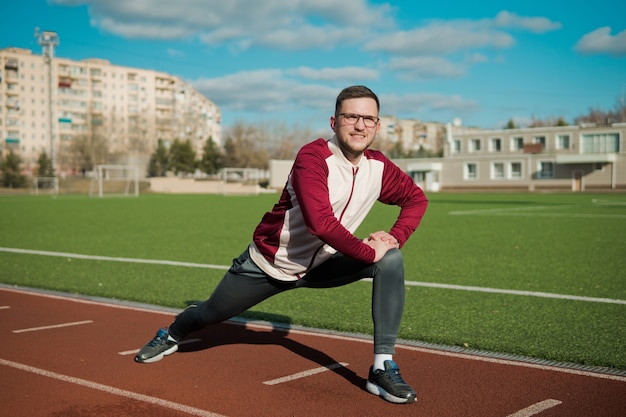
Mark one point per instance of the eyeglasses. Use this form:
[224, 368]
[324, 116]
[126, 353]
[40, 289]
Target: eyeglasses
[352, 119]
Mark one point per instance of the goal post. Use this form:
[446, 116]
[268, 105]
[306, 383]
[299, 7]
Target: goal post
[115, 180]
[237, 181]
[46, 185]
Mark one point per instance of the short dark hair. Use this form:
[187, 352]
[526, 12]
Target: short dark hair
[355, 91]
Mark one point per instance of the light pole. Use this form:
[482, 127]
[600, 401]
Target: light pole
[48, 41]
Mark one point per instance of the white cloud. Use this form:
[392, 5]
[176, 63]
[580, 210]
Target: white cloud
[264, 91]
[600, 41]
[441, 38]
[271, 23]
[419, 103]
[335, 74]
[533, 24]
[426, 67]
[272, 90]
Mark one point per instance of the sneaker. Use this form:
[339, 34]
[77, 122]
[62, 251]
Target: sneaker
[160, 346]
[389, 385]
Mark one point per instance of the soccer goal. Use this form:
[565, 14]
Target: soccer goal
[115, 180]
[240, 181]
[46, 185]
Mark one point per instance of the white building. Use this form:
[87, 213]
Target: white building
[46, 108]
[572, 158]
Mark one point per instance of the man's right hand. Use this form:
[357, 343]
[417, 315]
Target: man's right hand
[380, 246]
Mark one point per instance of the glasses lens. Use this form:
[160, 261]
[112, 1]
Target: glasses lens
[353, 119]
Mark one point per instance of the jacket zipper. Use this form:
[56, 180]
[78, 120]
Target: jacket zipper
[355, 170]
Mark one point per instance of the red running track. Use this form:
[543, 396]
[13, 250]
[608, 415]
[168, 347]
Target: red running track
[65, 356]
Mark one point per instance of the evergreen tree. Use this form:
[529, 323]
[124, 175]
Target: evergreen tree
[44, 165]
[182, 157]
[212, 158]
[158, 161]
[10, 168]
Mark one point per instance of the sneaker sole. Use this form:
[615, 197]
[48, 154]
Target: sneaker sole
[157, 357]
[376, 390]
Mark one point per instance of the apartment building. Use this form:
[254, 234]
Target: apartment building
[573, 158]
[413, 136]
[121, 111]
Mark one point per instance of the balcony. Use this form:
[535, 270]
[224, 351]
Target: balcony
[533, 148]
[11, 65]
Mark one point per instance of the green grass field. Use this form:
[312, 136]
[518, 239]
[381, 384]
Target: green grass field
[564, 244]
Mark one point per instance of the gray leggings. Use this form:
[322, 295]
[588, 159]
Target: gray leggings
[244, 285]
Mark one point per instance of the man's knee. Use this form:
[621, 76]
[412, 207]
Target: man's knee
[392, 264]
[393, 258]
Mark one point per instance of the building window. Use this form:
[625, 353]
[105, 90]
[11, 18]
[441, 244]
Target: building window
[495, 145]
[471, 171]
[562, 142]
[517, 144]
[546, 169]
[601, 143]
[475, 145]
[457, 146]
[541, 140]
[516, 170]
[497, 171]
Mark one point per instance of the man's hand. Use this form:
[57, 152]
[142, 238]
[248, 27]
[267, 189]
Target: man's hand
[381, 242]
[385, 237]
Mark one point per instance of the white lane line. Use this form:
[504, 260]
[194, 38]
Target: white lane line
[128, 352]
[411, 283]
[53, 326]
[330, 335]
[305, 373]
[514, 292]
[110, 258]
[112, 390]
[134, 351]
[535, 408]
[5, 307]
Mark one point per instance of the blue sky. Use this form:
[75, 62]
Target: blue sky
[285, 61]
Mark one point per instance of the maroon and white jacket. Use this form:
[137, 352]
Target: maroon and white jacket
[324, 201]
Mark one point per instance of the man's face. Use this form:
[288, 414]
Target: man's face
[355, 138]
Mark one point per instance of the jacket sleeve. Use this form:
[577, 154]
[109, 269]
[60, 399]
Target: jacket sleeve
[309, 178]
[399, 189]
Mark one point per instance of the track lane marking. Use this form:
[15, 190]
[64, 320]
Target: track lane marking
[53, 326]
[5, 307]
[330, 335]
[111, 390]
[535, 408]
[305, 374]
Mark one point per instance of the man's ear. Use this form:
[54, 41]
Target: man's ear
[333, 122]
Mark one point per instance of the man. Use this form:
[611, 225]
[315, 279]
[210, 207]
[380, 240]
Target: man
[307, 240]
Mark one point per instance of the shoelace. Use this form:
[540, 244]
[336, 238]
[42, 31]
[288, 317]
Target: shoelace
[395, 376]
[158, 339]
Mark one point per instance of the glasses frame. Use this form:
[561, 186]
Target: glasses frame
[367, 120]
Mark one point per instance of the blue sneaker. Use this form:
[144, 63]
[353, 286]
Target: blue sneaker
[389, 384]
[161, 345]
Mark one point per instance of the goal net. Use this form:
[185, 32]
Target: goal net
[46, 185]
[115, 180]
[240, 181]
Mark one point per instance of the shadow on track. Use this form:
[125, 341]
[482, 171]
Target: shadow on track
[232, 334]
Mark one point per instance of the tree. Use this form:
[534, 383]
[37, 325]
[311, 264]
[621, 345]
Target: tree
[510, 125]
[157, 167]
[10, 168]
[182, 157]
[212, 158]
[245, 147]
[88, 151]
[44, 165]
